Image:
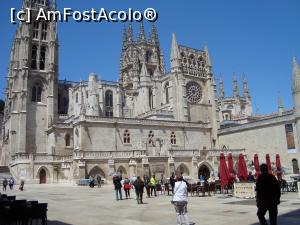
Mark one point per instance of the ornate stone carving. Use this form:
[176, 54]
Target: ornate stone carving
[194, 92]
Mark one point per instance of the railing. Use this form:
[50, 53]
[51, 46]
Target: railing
[146, 121]
[155, 112]
[27, 158]
[90, 155]
[234, 152]
[109, 154]
[184, 153]
[209, 153]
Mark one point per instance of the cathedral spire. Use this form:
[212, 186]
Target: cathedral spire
[221, 85]
[26, 4]
[129, 34]
[124, 37]
[296, 69]
[280, 104]
[154, 35]
[82, 106]
[207, 55]
[142, 37]
[296, 76]
[54, 6]
[246, 92]
[175, 56]
[235, 86]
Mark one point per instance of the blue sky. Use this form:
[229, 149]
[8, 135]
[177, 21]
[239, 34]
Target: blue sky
[257, 38]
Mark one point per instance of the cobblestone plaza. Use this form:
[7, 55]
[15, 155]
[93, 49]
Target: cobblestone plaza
[83, 206]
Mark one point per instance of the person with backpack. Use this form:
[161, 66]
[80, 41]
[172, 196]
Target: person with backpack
[127, 187]
[118, 187]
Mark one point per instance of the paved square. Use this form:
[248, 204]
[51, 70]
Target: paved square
[83, 206]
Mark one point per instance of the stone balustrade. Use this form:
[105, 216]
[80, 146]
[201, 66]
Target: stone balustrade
[106, 155]
[209, 153]
[109, 154]
[27, 158]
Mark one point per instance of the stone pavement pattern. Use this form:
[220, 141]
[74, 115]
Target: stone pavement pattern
[83, 206]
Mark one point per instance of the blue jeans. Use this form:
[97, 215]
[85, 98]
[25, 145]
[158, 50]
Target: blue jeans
[119, 194]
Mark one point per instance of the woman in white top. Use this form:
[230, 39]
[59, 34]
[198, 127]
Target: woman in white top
[180, 201]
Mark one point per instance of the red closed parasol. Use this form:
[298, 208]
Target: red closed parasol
[230, 167]
[268, 162]
[278, 166]
[224, 173]
[256, 165]
[242, 170]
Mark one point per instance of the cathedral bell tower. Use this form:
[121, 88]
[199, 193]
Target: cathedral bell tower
[31, 91]
[136, 53]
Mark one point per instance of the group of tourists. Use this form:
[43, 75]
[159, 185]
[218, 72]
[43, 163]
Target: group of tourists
[267, 198]
[9, 183]
[95, 180]
[138, 184]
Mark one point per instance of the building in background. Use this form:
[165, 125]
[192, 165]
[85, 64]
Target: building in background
[149, 122]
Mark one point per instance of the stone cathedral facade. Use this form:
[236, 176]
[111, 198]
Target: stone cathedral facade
[149, 122]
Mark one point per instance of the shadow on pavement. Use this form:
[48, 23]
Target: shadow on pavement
[54, 222]
[291, 218]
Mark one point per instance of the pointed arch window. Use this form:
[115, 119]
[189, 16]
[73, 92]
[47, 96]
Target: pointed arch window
[44, 31]
[126, 137]
[68, 140]
[35, 31]
[148, 56]
[42, 58]
[34, 57]
[109, 98]
[36, 93]
[109, 103]
[173, 138]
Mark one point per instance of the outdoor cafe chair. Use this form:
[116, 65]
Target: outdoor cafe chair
[39, 212]
[11, 198]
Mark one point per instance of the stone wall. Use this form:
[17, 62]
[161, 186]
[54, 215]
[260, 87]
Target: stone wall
[262, 137]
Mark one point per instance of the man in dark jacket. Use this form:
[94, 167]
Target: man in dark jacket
[4, 183]
[118, 187]
[267, 196]
[139, 190]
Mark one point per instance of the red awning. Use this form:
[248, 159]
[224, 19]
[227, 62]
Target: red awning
[268, 162]
[278, 166]
[230, 167]
[256, 165]
[242, 171]
[224, 173]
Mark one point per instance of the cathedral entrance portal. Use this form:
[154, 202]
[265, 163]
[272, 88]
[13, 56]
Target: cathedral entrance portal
[204, 170]
[43, 176]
